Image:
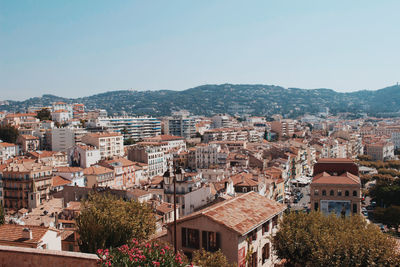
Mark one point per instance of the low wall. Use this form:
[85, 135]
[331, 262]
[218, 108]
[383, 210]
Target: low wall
[18, 256]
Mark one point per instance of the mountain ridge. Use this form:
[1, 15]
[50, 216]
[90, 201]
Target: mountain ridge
[209, 99]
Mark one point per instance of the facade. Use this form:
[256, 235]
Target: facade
[283, 127]
[380, 151]
[124, 172]
[152, 155]
[99, 176]
[109, 144]
[181, 124]
[173, 142]
[83, 156]
[210, 156]
[228, 225]
[25, 184]
[336, 187]
[28, 143]
[62, 139]
[74, 174]
[136, 128]
[60, 116]
[7, 151]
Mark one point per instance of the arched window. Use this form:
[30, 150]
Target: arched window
[354, 193]
[339, 193]
[324, 192]
[346, 193]
[316, 192]
[331, 193]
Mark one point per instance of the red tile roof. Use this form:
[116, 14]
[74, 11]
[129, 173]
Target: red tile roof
[345, 178]
[96, 170]
[69, 169]
[164, 137]
[13, 233]
[241, 214]
[59, 181]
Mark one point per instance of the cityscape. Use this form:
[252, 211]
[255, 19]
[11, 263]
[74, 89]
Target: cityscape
[231, 165]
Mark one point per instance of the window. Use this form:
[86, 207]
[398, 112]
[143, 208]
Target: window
[315, 205]
[211, 241]
[275, 221]
[265, 253]
[252, 235]
[254, 259]
[190, 238]
[339, 193]
[354, 193]
[331, 193]
[324, 192]
[346, 193]
[265, 227]
[316, 192]
[354, 208]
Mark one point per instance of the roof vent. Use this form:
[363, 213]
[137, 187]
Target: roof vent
[27, 233]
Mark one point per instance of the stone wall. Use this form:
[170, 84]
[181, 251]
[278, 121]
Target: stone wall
[18, 256]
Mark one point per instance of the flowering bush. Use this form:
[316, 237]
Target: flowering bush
[141, 254]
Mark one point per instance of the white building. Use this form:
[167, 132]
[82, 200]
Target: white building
[109, 144]
[62, 139]
[83, 156]
[60, 116]
[181, 124]
[7, 150]
[74, 174]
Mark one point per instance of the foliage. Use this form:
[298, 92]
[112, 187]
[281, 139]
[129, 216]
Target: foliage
[107, 221]
[129, 141]
[393, 164]
[389, 216]
[141, 254]
[317, 240]
[8, 134]
[209, 259]
[391, 172]
[364, 157]
[44, 114]
[2, 219]
[386, 192]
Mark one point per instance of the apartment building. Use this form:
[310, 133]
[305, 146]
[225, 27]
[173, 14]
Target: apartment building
[25, 184]
[151, 153]
[283, 127]
[229, 226]
[28, 143]
[124, 172]
[137, 128]
[99, 176]
[110, 144]
[380, 150]
[181, 124]
[7, 151]
[83, 156]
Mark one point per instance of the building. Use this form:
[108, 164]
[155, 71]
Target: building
[50, 158]
[210, 155]
[283, 127]
[61, 116]
[181, 124]
[28, 143]
[151, 153]
[83, 156]
[336, 187]
[136, 128]
[173, 142]
[7, 151]
[26, 184]
[99, 176]
[380, 150]
[124, 172]
[221, 121]
[228, 226]
[109, 144]
[74, 174]
[62, 139]
[30, 236]
[64, 107]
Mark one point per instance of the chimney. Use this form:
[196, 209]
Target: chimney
[27, 233]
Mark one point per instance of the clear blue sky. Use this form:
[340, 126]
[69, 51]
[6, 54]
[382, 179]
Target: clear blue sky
[78, 48]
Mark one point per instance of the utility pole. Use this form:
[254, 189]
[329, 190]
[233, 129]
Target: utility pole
[175, 243]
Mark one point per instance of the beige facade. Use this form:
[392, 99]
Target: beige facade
[109, 144]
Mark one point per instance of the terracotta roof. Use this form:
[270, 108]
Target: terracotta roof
[73, 205]
[96, 170]
[345, 178]
[240, 214]
[28, 137]
[42, 154]
[125, 162]
[165, 207]
[5, 144]
[61, 111]
[244, 179]
[13, 233]
[59, 181]
[139, 192]
[335, 160]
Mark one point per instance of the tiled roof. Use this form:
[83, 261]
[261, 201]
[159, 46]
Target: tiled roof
[106, 134]
[240, 214]
[96, 170]
[335, 160]
[13, 233]
[139, 192]
[244, 179]
[69, 169]
[28, 137]
[345, 178]
[124, 162]
[165, 137]
[59, 181]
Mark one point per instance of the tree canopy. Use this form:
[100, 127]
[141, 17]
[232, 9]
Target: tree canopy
[44, 114]
[107, 221]
[317, 240]
[209, 259]
[8, 134]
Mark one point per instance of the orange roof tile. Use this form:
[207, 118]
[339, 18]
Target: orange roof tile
[13, 233]
[345, 178]
[96, 170]
[59, 181]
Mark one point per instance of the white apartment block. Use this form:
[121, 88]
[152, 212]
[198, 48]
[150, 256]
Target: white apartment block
[152, 155]
[109, 144]
[83, 156]
[137, 128]
[7, 150]
[62, 139]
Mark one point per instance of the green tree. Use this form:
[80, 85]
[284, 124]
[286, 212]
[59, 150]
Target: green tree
[389, 216]
[107, 221]
[8, 134]
[209, 259]
[44, 114]
[2, 219]
[317, 240]
[129, 141]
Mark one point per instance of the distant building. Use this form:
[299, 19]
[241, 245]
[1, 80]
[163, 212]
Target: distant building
[99, 176]
[151, 154]
[7, 151]
[109, 144]
[28, 143]
[380, 150]
[62, 139]
[283, 127]
[83, 156]
[181, 124]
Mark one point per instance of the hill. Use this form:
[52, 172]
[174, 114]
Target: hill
[229, 98]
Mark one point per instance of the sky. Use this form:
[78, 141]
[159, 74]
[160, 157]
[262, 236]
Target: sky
[79, 48]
